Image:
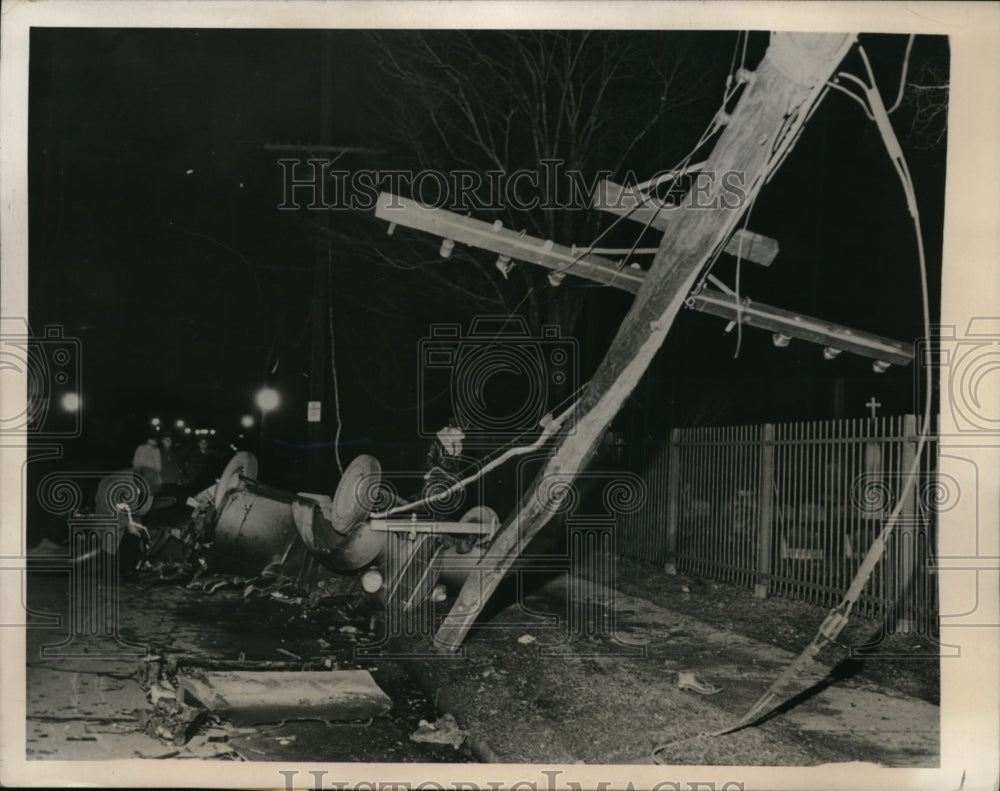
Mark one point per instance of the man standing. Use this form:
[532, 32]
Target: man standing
[444, 463]
[445, 450]
[169, 463]
[200, 467]
[146, 461]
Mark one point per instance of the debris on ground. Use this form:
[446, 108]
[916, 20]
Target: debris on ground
[212, 583]
[246, 697]
[160, 692]
[691, 682]
[525, 639]
[288, 653]
[281, 596]
[444, 731]
[170, 720]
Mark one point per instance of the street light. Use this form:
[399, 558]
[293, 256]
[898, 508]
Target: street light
[246, 421]
[268, 399]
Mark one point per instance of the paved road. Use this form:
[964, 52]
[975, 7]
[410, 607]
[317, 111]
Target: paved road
[573, 672]
[84, 702]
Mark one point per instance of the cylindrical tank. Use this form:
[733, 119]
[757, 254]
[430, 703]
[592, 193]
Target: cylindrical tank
[252, 531]
[342, 553]
[342, 540]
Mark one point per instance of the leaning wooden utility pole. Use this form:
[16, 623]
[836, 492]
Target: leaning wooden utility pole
[761, 131]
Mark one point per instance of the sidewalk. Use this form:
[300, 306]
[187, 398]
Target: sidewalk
[536, 693]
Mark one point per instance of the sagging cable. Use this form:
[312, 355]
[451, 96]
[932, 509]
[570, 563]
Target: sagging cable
[839, 617]
[550, 425]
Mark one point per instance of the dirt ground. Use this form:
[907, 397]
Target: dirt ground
[909, 663]
[559, 671]
[538, 689]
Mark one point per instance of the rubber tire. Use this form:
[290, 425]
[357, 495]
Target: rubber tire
[355, 496]
[243, 463]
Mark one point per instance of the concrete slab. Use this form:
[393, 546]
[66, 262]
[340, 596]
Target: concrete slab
[247, 697]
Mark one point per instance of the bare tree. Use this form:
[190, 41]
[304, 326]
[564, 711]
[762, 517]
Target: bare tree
[926, 96]
[505, 101]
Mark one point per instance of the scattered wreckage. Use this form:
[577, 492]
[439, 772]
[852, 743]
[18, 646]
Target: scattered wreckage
[243, 526]
[243, 534]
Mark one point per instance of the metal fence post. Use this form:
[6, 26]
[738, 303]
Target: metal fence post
[673, 500]
[907, 538]
[765, 512]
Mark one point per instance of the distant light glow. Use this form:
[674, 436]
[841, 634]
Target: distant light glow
[187, 430]
[71, 402]
[246, 421]
[155, 421]
[268, 399]
[179, 423]
[211, 431]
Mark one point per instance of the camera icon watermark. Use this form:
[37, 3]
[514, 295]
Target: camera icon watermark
[968, 367]
[501, 379]
[94, 529]
[46, 369]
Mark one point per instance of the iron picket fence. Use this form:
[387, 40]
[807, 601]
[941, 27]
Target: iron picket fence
[791, 509]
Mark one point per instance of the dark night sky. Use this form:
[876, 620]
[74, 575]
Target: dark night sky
[156, 240]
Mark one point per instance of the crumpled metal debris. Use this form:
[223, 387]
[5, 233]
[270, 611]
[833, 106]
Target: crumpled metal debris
[690, 681]
[444, 731]
[170, 720]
